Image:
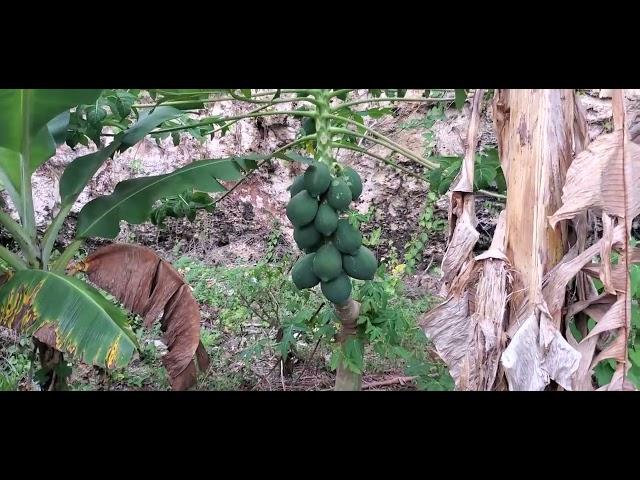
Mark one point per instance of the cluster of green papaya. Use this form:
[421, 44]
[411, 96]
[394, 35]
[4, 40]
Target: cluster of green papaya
[333, 247]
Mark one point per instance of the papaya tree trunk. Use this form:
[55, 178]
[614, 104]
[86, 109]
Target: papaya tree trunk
[347, 380]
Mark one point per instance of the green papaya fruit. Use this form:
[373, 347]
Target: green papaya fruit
[327, 263]
[339, 195]
[326, 220]
[361, 265]
[302, 209]
[317, 179]
[297, 186]
[353, 181]
[313, 248]
[302, 273]
[306, 236]
[348, 238]
[337, 290]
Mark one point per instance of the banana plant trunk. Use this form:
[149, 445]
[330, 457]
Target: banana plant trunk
[50, 361]
[494, 330]
[347, 380]
[537, 140]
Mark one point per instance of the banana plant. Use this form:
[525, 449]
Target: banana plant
[41, 296]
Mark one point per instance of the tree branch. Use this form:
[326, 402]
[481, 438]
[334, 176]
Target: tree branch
[203, 123]
[387, 99]
[382, 159]
[385, 383]
[390, 145]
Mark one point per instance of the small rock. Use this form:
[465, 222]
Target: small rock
[161, 347]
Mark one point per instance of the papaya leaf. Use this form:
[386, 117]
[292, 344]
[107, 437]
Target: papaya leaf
[58, 127]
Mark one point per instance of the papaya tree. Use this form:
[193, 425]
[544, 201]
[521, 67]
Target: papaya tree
[319, 208]
[91, 328]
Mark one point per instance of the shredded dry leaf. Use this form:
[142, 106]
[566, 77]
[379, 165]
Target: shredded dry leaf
[582, 380]
[602, 178]
[462, 218]
[451, 332]
[596, 179]
[150, 287]
[537, 354]
[449, 325]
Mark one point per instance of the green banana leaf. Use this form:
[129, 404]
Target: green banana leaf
[25, 113]
[132, 200]
[32, 122]
[58, 127]
[79, 172]
[82, 169]
[86, 324]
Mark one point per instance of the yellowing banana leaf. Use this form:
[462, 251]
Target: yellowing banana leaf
[85, 323]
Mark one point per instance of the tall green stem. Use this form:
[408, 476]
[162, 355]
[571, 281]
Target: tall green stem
[18, 234]
[382, 159]
[12, 259]
[397, 147]
[14, 195]
[323, 142]
[273, 154]
[272, 102]
[390, 145]
[26, 194]
[387, 99]
[63, 260]
[51, 234]
[225, 99]
[231, 122]
[336, 93]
